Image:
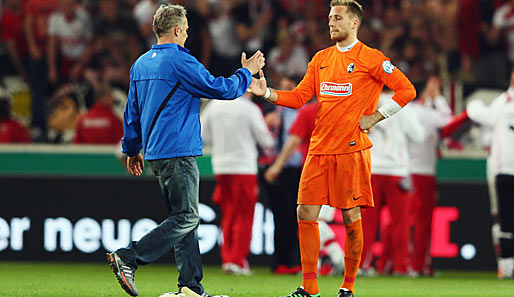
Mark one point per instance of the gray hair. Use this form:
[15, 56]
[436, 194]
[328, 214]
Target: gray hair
[167, 17]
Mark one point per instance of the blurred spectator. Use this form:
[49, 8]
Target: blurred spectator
[502, 21]
[117, 36]
[389, 179]
[305, 9]
[469, 35]
[143, 12]
[367, 35]
[317, 36]
[433, 111]
[11, 27]
[234, 128]
[431, 59]
[226, 48]
[69, 35]
[300, 135]
[107, 75]
[392, 29]
[457, 39]
[288, 58]
[63, 120]
[492, 52]
[499, 115]
[11, 131]
[199, 42]
[99, 125]
[67, 104]
[256, 23]
[280, 181]
[410, 61]
[36, 32]
[444, 18]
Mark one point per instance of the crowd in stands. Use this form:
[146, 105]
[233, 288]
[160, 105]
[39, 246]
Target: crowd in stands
[75, 55]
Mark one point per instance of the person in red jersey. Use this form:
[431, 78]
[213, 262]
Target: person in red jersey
[99, 125]
[347, 79]
[11, 131]
[11, 34]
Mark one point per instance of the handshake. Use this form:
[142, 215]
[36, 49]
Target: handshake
[255, 64]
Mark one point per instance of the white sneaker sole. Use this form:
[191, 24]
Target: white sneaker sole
[190, 293]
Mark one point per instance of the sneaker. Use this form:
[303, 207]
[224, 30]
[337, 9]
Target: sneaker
[232, 268]
[205, 294]
[413, 274]
[172, 294]
[344, 292]
[300, 292]
[124, 274]
[505, 268]
[367, 271]
[187, 292]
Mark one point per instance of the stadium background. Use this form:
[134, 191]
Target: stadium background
[55, 197]
[56, 207]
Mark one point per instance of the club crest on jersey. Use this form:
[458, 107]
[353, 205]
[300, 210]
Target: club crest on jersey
[387, 67]
[350, 68]
[333, 89]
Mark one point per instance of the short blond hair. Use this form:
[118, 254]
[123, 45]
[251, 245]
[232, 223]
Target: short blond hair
[167, 17]
[352, 6]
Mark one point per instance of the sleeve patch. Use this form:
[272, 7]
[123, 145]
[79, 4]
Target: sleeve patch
[387, 67]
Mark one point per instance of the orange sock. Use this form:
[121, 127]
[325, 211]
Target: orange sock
[352, 253]
[309, 251]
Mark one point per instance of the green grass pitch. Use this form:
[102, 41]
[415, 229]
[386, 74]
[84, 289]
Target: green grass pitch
[20, 279]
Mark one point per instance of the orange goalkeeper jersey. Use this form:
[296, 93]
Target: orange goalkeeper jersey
[347, 85]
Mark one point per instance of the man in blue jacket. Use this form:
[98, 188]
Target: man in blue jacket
[162, 118]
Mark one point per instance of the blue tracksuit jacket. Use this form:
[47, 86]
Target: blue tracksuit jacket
[163, 107]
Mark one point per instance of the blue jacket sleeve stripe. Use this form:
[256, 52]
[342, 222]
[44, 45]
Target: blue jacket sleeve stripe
[161, 107]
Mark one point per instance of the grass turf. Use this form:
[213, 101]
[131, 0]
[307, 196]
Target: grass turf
[20, 279]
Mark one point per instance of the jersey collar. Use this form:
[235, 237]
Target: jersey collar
[170, 45]
[347, 48]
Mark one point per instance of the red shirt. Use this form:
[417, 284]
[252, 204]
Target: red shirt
[304, 125]
[11, 26]
[99, 126]
[13, 132]
[40, 11]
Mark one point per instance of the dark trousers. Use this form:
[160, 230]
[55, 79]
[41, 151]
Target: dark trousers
[179, 182]
[283, 197]
[505, 190]
[40, 88]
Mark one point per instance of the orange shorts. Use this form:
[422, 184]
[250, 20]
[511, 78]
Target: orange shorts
[342, 181]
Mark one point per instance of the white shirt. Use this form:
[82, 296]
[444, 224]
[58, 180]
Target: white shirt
[500, 116]
[224, 39]
[423, 156]
[234, 128]
[390, 137]
[73, 35]
[144, 12]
